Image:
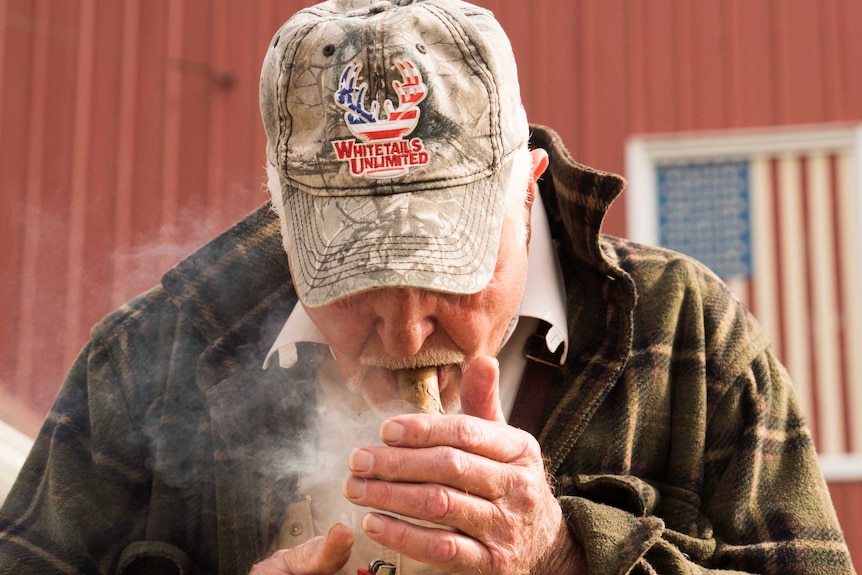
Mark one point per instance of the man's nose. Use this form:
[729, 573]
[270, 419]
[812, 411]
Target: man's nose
[405, 319]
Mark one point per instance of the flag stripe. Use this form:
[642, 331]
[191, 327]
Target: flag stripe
[807, 296]
[795, 322]
[824, 305]
[841, 308]
[776, 250]
[763, 303]
[849, 213]
[803, 235]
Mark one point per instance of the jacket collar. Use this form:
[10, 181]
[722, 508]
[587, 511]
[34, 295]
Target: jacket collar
[577, 199]
[601, 295]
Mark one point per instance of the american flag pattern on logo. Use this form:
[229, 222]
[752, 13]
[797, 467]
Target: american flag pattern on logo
[381, 152]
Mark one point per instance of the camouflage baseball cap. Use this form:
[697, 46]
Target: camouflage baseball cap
[391, 126]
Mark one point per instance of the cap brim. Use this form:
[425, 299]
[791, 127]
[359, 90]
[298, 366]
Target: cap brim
[442, 240]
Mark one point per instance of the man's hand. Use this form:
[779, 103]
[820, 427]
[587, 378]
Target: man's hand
[481, 479]
[319, 556]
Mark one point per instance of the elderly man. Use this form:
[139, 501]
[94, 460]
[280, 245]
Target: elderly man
[647, 428]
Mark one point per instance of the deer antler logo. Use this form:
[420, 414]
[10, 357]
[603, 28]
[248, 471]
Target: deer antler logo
[382, 152]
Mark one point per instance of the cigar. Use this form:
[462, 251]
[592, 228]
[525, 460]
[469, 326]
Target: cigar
[419, 388]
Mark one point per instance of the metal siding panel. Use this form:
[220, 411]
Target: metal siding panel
[200, 87]
[191, 82]
[602, 85]
[799, 68]
[216, 143]
[565, 101]
[172, 146]
[71, 313]
[604, 60]
[240, 40]
[851, 47]
[685, 35]
[149, 179]
[49, 158]
[101, 169]
[126, 92]
[661, 101]
[635, 39]
[525, 44]
[709, 75]
[16, 54]
[751, 64]
[833, 60]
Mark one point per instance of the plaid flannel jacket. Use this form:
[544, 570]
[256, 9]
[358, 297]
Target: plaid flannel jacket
[674, 437]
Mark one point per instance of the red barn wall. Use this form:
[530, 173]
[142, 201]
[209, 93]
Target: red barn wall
[129, 131]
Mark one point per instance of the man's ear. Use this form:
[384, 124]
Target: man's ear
[540, 163]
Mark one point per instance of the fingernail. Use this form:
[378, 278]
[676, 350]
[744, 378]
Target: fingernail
[360, 461]
[391, 431]
[354, 487]
[371, 523]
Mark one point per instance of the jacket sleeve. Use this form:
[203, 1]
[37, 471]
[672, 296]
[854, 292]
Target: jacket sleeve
[764, 506]
[81, 495]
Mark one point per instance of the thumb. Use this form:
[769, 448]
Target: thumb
[318, 556]
[480, 389]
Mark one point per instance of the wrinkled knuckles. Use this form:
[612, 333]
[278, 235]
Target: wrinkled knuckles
[421, 432]
[444, 549]
[470, 434]
[438, 503]
[453, 462]
[383, 494]
[530, 453]
[397, 534]
[533, 452]
[518, 489]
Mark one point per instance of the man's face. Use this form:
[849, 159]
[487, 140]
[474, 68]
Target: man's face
[374, 332]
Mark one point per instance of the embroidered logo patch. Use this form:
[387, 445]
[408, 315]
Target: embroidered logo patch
[382, 150]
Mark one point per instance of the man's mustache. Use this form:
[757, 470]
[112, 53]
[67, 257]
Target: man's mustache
[425, 357]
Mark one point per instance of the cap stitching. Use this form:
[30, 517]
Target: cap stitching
[466, 269]
[285, 72]
[480, 65]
